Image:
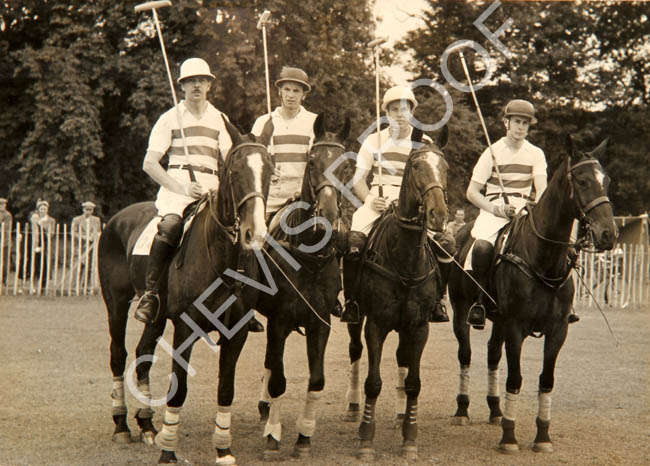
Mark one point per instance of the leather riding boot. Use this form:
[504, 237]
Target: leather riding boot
[149, 305]
[573, 317]
[350, 313]
[438, 312]
[255, 325]
[350, 245]
[481, 261]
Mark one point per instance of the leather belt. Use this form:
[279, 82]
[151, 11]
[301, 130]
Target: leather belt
[494, 196]
[195, 168]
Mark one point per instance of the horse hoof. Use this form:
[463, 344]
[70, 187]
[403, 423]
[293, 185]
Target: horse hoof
[509, 448]
[167, 458]
[353, 414]
[410, 452]
[459, 421]
[122, 437]
[302, 451]
[367, 454]
[227, 460]
[148, 437]
[543, 447]
[495, 421]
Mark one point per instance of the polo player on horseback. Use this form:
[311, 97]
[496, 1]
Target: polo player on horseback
[521, 165]
[205, 136]
[396, 145]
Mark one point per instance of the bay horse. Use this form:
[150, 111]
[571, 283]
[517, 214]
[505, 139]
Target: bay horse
[307, 289]
[532, 286]
[400, 277]
[220, 239]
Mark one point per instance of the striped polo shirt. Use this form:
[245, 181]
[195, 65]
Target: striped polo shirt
[207, 140]
[292, 140]
[394, 154]
[518, 168]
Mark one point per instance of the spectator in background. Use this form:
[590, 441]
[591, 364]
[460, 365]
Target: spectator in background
[43, 230]
[6, 221]
[458, 223]
[85, 232]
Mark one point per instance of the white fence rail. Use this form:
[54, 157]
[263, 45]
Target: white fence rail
[617, 278]
[62, 262]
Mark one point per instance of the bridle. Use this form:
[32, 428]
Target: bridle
[583, 209]
[233, 230]
[420, 221]
[314, 190]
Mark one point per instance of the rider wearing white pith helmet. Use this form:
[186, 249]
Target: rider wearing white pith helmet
[395, 145]
[207, 141]
[521, 166]
[293, 134]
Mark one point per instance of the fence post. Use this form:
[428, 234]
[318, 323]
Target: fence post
[65, 256]
[18, 258]
[57, 231]
[86, 257]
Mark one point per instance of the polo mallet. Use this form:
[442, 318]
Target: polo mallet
[375, 46]
[152, 6]
[487, 136]
[261, 24]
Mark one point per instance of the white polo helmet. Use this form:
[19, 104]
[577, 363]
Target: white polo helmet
[520, 107]
[398, 93]
[195, 67]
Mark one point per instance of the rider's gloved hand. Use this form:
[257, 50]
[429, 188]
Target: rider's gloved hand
[378, 204]
[504, 211]
[194, 189]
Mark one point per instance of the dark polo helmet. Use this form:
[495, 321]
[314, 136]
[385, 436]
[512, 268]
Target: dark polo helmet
[296, 75]
[519, 107]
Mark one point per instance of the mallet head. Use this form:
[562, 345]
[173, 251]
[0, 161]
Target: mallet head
[152, 5]
[377, 42]
[264, 19]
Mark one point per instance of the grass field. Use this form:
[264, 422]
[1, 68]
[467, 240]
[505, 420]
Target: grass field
[55, 386]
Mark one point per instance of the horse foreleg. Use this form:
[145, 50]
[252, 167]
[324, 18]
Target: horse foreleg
[552, 345]
[495, 350]
[353, 394]
[402, 370]
[228, 356]
[276, 338]
[375, 337]
[461, 330]
[264, 403]
[167, 438]
[316, 341]
[514, 340]
[118, 307]
[416, 343]
[144, 353]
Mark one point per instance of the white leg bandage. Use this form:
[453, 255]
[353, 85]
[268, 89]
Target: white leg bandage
[353, 395]
[510, 409]
[167, 438]
[464, 381]
[493, 382]
[117, 397]
[306, 423]
[273, 426]
[264, 393]
[221, 438]
[544, 410]
[400, 403]
[144, 400]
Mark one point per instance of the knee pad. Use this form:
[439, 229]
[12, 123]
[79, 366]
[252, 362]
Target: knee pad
[170, 229]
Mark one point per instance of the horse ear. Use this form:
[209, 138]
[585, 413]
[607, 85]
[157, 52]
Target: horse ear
[319, 126]
[345, 131]
[568, 142]
[416, 135]
[443, 137]
[233, 132]
[600, 150]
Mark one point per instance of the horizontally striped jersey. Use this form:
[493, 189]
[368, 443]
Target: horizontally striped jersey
[207, 140]
[518, 168]
[394, 154]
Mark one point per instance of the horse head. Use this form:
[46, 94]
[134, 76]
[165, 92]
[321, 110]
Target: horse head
[317, 189]
[588, 185]
[423, 195]
[244, 187]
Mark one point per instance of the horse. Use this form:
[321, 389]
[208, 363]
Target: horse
[400, 278]
[307, 290]
[222, 237]
[532, 287]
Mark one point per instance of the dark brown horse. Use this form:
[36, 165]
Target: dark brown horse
[396, 283]
[531, 282]
[219, 242]
[307, 286]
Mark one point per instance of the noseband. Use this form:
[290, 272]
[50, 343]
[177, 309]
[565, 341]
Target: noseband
[326, 182]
